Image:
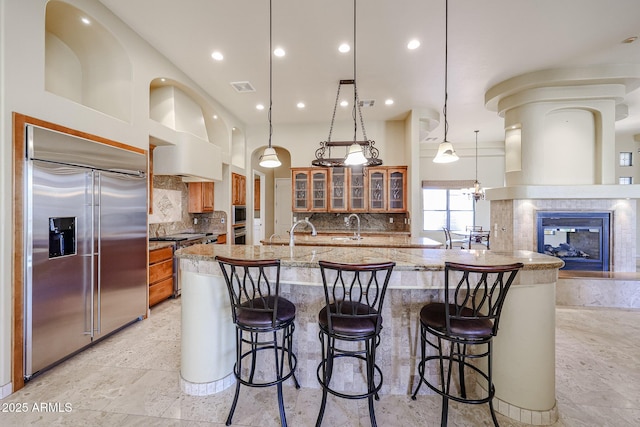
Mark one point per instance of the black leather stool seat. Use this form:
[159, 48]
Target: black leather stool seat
[434, 316]
[349, 325]
[263, 319]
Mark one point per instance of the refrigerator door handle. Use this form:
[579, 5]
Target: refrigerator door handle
[93, 252]
[98, 278]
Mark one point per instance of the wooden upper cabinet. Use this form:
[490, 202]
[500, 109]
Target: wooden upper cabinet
[357, 190]
[397, 189]
[238, 189]
[349, 189]
[338, 193]
[377, 189]
[300, 199]
[319, 194]
[200, 197]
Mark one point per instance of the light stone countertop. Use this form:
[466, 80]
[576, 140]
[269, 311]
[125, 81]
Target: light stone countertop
[408, 259]
[387, 241]
[160, 244]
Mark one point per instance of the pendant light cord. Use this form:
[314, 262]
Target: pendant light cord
[355, 91]
[270, 70]
[476, 154]
[446, 66]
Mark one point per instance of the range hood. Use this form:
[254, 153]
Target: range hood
[192, 158]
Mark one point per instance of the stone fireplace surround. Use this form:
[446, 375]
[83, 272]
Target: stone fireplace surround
[513, 226]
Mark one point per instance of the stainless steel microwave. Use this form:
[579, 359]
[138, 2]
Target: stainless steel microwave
[239, 214]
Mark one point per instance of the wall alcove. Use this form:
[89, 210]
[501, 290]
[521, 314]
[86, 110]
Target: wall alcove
[85, 63]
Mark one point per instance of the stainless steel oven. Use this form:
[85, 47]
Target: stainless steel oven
[239, 235]
[238, 214]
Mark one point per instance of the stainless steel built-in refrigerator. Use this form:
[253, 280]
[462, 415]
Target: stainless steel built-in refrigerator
[86, 244]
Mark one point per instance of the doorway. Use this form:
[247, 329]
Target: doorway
[283, 207]
[258, 207]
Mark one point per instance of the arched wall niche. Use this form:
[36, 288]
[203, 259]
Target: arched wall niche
[85, 63]
[177, 107]
[570, 141]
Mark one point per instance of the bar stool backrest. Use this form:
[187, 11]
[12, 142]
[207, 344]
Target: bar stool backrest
[252, 287]
[355, 291]
[476, 292]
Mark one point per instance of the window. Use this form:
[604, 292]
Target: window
[625, 158]
[446, 207]
[625, 180]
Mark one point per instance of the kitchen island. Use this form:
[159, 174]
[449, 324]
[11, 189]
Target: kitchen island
[524, 350]
[377, 241]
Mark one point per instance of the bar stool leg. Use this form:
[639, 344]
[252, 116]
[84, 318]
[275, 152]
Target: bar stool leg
[421, 364]
[327, 368]
[370, 347]
[238, 369]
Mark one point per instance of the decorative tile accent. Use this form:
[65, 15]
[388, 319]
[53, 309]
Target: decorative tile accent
[167, 206]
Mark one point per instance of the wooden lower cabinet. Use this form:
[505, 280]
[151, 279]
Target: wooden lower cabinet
[160, 274]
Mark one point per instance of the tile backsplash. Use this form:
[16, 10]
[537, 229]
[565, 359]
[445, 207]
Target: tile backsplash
[171, 210]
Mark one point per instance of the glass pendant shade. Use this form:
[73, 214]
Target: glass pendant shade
[269, 158]
[355, 156]
[446, 153]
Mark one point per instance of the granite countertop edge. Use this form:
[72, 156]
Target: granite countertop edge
[407, 259]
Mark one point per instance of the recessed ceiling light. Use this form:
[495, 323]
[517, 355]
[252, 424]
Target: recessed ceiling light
[217, 56]
[163, 80]
[413, 44]
[344, 103]
[300, 105]
[260, 107]
[630, 39]
[344, 48]
[85, 21]
[388, 102]
[279, 51]
[215, 117]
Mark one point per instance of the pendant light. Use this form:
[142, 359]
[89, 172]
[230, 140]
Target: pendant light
[446, 153]
[477, 192]
[269, 158]
[355, 155]
[359, 153]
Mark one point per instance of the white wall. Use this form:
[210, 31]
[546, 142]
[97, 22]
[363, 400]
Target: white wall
[22, 84]
[302, 141]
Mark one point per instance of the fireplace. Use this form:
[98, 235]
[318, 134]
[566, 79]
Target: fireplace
[580, 239]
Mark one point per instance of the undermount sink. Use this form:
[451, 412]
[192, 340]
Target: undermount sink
[347, 238]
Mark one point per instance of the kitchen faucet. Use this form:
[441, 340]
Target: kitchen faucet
[356, 235]
[302, 221]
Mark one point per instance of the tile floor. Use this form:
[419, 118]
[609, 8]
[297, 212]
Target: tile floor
[131, 379]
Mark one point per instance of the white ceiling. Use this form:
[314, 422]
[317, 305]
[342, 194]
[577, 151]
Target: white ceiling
[489, 42]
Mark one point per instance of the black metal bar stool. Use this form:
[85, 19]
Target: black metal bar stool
[466, 321]
[354, 294]
[260, 315]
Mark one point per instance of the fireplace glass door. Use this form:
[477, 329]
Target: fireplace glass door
[580, 239]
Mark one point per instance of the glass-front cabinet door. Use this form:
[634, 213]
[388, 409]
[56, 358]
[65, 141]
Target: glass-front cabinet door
[338, 189]
[377, 190]
[319, 190]
[397, 191]
[357, 190]
[300, 193]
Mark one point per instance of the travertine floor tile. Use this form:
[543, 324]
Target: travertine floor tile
[132, 379]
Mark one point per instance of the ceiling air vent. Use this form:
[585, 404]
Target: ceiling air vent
[367, 102]
[242, 87]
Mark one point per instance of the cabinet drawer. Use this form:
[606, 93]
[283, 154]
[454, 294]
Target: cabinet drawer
[160, 291]
[160, 254]
[161, 271]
